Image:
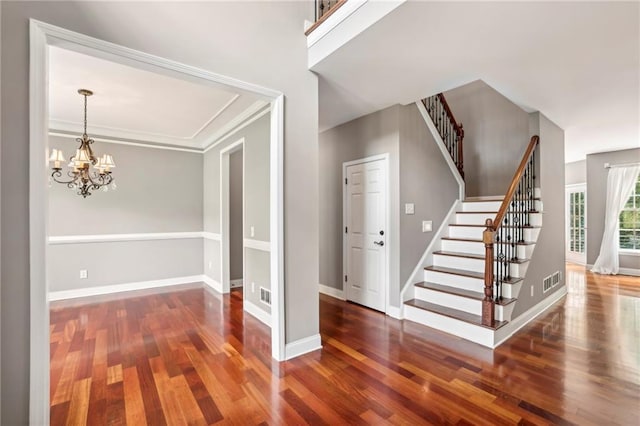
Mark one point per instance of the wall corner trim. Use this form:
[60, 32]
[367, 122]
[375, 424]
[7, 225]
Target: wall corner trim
[302, 346]
[256, 312]
[395, 312]
[215, 285]
[331, 291]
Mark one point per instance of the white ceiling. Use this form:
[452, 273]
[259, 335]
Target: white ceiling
[139, 105]
[576, 62]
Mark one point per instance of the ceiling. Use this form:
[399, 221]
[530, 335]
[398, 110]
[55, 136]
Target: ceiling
[139, 105]
[576, 62]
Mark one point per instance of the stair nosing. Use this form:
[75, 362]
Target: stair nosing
[495, 212]
[455, 314]
[475, 240]
[455, 291]
[466, 273]
[475, 256]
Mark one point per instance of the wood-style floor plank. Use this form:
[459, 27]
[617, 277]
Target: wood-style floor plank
[186, 355]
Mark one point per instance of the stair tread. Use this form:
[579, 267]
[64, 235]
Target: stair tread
[452, 313]
[495, 212]
[469, 294]
[489, 200]
[474, 256]
[476, 240]
[466, 273]
[484, 226]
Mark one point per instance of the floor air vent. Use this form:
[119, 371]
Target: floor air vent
[265, 296]
[551, 281]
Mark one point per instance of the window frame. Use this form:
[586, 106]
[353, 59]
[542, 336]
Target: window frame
[635, 196]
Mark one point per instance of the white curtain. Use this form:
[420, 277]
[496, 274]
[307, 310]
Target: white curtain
[620, 183]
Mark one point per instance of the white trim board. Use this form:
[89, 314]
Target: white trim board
[621, 271]
[104, 238]
[211, 236]
[512, 327]
[256, 312]
[257, 244]
[303, 346]
[106, 139]
[119, 288]
[330, 291]
[213, 284]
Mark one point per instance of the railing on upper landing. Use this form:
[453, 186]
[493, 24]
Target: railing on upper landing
[506, 231]
[449, 129]
[324, 9]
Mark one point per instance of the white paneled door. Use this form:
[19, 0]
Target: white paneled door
[366, 233]
[576, 212]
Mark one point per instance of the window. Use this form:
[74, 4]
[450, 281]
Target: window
[630, 221]
[576, 221]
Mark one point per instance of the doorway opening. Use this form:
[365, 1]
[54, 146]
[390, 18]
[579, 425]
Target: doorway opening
[576, 223]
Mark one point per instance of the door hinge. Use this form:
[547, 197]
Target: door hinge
[345, 279]
[346, 181]
[346, 230]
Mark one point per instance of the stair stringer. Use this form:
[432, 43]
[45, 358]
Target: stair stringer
[408, 290]
[443, 148]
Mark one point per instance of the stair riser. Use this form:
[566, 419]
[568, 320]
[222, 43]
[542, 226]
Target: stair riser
[460, 303]
[467, 264]
[481, 218]
[474, 333]
[473, 306]
[475, 232]
[510, 291]
[490, 206]
[478, 248]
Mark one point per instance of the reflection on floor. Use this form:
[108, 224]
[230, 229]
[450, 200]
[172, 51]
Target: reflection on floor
[189, 356]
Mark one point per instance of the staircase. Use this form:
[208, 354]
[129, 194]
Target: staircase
[451, 296]
[479, 265]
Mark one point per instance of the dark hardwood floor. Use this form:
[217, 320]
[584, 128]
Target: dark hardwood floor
[189, 356]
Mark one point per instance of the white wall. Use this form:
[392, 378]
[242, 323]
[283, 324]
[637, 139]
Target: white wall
[197, 34]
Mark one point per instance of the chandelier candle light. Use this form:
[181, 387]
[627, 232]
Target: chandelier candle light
[87, 172]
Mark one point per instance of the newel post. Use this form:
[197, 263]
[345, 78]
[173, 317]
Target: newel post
[488, 307]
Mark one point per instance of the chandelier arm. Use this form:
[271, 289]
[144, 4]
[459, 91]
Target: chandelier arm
[57, 174]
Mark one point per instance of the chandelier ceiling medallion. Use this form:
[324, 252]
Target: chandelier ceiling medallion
[86, 171]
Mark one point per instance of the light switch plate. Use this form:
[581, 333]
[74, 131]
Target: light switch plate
[253, 231]
[84, 274]
[409, 208]
[427, 226]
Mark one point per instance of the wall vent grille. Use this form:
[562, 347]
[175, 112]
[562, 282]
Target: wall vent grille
[265, 296]
[551, 281]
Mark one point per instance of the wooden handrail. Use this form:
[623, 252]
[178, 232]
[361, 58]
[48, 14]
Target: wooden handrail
[535, 139]
[452, 118]
[324, 16]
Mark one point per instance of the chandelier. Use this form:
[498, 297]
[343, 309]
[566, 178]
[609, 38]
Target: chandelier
[86, 171]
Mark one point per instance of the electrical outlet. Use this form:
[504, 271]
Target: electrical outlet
[84, 274]
[409, 208]
[253, 287]
[531, 291]
[253, 231]
[427, 226]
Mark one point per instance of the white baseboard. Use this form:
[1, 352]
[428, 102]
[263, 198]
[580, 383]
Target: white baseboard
[394, 312]
[212, 283]
[629, 271]
[302, 346]
[119, 288]
[508, 330]
[259, 314]
[621, 271]
[330, 291]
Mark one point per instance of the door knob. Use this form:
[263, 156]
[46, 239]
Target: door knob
[379, 243]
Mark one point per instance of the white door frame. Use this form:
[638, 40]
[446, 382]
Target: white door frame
[43, 35]
[573, 256]
[345, 220]
[225, 238]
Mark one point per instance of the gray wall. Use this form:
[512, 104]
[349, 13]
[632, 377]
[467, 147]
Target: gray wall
[236, 242]
[549, 254]
[373, 134]
[425, 180]
[256, 205]
[417, 173]
[147, 199]
[575, 172]
[597, 201]
[496, 132]
[158, 190]
[205, 28]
